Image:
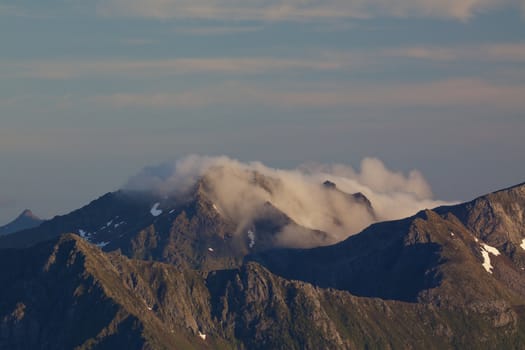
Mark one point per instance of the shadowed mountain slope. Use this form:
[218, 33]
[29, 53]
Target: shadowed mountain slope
[67, 294]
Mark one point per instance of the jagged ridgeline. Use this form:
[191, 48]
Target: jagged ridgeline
[146, 270]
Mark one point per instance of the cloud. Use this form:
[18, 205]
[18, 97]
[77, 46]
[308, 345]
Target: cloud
[444, 93]
[320, 61]
[241, 191]
[503, 52]
[218, 30]
[150, 68]
[276, 10]
[375, 175]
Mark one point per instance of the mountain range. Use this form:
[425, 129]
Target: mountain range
[140, 270]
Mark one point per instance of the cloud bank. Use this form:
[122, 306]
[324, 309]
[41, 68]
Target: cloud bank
[275, 10]
[242, 191]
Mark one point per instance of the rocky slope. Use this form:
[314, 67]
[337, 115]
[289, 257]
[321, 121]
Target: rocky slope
[498, 219]
[178, 275]
[67, 294]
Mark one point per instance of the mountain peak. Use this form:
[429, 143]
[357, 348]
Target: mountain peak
[24, 221]
[28, 213]
[357, 197]
[329, 184]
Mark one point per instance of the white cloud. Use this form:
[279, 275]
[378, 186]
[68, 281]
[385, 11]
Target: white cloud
[298, 9]
[240, 191]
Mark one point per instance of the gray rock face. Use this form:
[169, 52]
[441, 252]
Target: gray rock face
[498, 219]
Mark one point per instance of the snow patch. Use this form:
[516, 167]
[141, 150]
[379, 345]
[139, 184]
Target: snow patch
[523, 244]
[491, 250]
[119, 224]
[171, 211]
[109, 223]
[155, 211]
[202, 335]
[251, 236]
[102, 244]
[486, 261]
[452, 234]
[84, 234]
[210, 249]
[485, 250]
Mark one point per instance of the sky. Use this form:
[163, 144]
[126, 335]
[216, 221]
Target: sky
[93, 91]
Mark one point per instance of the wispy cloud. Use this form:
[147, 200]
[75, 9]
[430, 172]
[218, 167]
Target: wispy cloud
[503, 52]
[298, 9]
[76, 69]
[138, 42]
[446, 93]
[269, 10]
[318, 61]
[218, 29]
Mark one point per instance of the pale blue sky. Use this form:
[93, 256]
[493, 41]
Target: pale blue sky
[92, 91]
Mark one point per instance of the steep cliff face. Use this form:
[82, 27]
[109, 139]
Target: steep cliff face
[498, 219]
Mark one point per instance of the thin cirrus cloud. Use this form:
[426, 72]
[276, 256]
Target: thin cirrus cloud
[445, 93]
[218, 30]
[299, 9]
[78, 69]
[503, 52]
[326, 61]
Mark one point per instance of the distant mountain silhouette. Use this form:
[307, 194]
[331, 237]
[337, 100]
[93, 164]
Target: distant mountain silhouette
[25, 220]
